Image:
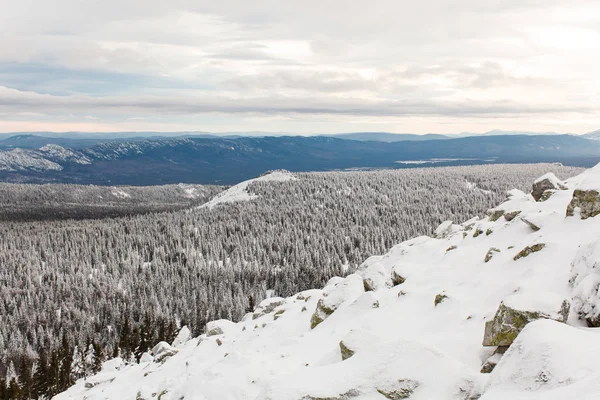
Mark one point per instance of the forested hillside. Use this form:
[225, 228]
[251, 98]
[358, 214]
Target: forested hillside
[29, 202]
[74, 292]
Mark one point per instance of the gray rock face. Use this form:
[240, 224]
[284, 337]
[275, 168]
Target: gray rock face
[509, 322]
[588, 202]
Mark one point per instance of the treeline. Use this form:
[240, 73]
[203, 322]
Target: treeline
[89, 280]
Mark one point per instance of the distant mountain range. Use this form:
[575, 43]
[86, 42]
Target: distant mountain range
[138, 161]
[32, 139]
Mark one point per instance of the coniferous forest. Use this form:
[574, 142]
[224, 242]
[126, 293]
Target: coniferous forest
[75, 292]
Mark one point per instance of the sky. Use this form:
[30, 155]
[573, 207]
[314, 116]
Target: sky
[439, 66]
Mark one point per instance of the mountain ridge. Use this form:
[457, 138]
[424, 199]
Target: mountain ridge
[232, 160]
[490, 308]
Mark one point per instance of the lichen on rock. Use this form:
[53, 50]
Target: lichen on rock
[508, 322]
[587, 201]
[495, 214]
[490, 254]
[402, 389]
[439, 298]
[321, 312]
[509, 216]
[545, 183]
[528, 250]
[397, 279]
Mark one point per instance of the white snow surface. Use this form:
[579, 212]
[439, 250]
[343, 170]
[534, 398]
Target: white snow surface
[402, 341]
[240, 192]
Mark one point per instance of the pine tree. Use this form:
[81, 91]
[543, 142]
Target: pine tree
[98, 358]
[41, 376]
[25, 379]
[251, 304]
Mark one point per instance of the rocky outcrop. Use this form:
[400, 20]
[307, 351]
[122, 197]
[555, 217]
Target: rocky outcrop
[548, 182]
[509, 321]
[587, 201]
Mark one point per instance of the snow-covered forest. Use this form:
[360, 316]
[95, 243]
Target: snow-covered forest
[75, 292]
[27, 202]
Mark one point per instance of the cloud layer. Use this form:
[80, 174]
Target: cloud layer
[428, 66]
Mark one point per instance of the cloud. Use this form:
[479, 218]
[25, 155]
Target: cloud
[301, 61]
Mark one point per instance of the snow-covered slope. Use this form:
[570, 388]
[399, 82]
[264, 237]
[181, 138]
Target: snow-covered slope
[240, 192]
[412, 323]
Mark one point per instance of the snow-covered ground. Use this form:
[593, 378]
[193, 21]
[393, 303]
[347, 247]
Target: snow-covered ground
[409, 324]
[240, 192]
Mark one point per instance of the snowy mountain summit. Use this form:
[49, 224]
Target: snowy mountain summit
[496, 308]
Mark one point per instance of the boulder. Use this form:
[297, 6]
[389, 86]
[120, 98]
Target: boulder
[489, 364]
[587, 201]
[495, 214]
[544, 183]
[532, 225]
[218, 327]
[162, 351]
[146, 358]
[397, 279]
[182, 337]
[509, 216]
[267, 306]
[346, 289]
[402, 389]
[528, 250]
[443, 230]
[490, 254]
[356, 340]
[585, 280]
[375, 278]
[519, 310]
[439, 299]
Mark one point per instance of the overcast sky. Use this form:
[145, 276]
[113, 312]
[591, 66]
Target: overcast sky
[300, 66]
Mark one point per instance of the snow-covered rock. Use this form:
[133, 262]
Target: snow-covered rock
[396, 341]
[549, 360]
[219, 327]
[517, 311]
[182, 337]
[335, 295]
[586, 283]
[545, 183]
[162, 351]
